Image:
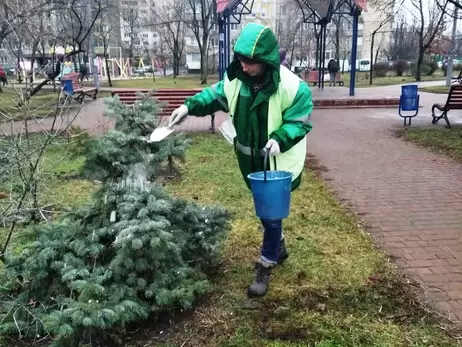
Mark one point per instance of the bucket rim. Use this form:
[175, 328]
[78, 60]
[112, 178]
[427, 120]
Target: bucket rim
[252, 178]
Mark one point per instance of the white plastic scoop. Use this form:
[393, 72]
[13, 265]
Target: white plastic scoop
[160, 133]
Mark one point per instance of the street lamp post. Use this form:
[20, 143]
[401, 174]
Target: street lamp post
[452, 54]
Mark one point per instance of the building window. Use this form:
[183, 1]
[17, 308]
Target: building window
[195, 57]
[234, 27]
[126, 34]
[3, 60]
[145, 35]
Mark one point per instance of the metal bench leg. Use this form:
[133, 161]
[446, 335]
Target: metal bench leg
[445, 116]
[212, 126]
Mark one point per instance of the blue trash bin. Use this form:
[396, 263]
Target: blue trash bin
[271, 190]
[409, 101]
[68, 88]
[409, 90]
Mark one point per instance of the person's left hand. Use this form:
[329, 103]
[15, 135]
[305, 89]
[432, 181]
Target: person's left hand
[272, 146]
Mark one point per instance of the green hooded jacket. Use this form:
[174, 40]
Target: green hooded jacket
[250, 119]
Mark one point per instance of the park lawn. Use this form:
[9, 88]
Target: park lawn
[60, 187]
[362, 79]
[435, 89]
[42, 104]
[192, 81]
[437, 139]
[335, 290]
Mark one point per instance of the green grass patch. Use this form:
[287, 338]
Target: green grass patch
[60, 187]
[439, 140]
[181, 82]
[435, 90]
[362, 79]
[43, 104]
[335, 290]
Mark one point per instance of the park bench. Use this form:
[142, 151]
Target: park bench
[174, 98]
[453, 102]
[313, 78]
[457, 79]
[78, 91]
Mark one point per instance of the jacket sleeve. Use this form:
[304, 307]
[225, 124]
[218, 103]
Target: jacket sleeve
[296, 120]
[209, 101]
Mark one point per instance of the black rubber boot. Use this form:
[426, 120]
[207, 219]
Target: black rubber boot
[259, 286]
[283, 254]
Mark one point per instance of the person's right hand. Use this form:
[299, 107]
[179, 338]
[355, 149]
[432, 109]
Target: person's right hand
[178, 115]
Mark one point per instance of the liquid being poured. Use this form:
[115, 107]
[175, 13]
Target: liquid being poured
[135, 178]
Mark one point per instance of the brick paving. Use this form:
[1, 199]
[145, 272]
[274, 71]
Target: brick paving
[411, 198]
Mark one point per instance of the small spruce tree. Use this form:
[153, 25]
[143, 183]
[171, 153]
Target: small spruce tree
[133, 250]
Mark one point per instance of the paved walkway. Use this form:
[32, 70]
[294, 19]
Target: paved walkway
[411, 198]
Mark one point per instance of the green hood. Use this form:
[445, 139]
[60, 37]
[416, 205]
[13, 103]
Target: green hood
[257, 42]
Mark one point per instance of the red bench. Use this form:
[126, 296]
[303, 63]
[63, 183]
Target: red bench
[78, 92]
[174, 98]
[313, 78]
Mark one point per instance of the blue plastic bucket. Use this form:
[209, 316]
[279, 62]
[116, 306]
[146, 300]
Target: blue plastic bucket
[271, 192]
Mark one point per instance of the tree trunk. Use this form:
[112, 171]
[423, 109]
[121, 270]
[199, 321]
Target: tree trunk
[204, 67]
[109, 80]
[372, 57]
[418, 74]
[337, 42]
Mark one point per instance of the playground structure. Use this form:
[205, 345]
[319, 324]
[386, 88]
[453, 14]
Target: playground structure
[119, 67]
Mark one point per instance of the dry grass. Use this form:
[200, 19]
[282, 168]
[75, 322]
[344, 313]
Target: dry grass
[437, 139]
[336, 289]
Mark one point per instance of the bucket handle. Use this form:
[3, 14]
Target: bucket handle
[265, 163]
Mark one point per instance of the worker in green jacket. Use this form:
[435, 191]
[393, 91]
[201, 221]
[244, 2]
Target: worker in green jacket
[269, 108]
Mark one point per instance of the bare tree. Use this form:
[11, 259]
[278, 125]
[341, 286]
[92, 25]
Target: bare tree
[200, 18]
[132, 24]
[404, 43]
[168, 21]
[339, 34]
[427, 29]
[23, 164]
[77, 20]
[295, 36]
[103, 33]
[14, 13]
[384, 20]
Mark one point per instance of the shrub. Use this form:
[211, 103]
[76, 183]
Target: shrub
[433, 65]
[424, 68]
[132, 251]
[399, 67]
[381, 69]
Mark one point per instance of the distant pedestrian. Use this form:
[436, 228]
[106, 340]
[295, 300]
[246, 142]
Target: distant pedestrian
[333, 69]
[282, 56]
[3, 79]
[83, 72]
